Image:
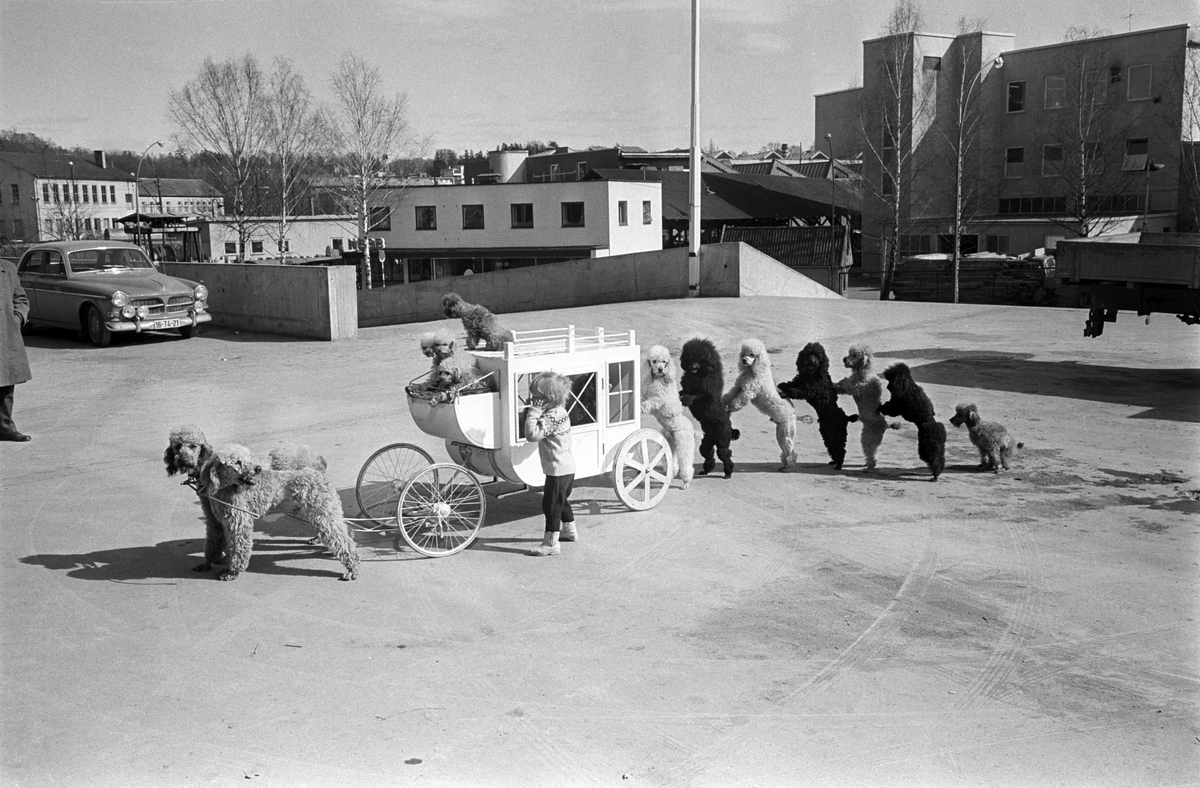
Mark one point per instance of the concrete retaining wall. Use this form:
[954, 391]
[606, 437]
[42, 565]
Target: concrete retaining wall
[313, 302]
[727, 270]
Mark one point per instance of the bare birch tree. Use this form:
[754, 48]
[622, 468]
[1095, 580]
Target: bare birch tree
[295, 133]
[894, 117]
[1189, 157]
[1088, 176]
[221, 112]
[370, 131]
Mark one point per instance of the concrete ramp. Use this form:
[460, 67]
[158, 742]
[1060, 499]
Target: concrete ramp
[727, 270]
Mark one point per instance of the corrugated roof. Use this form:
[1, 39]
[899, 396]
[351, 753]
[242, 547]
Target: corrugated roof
[735, 197]
[178, 187]
[795, 246]
[58, 166]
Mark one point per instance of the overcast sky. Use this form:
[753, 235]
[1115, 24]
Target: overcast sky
[98, 73]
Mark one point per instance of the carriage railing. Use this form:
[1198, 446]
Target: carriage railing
[418, 388]
[543, 341]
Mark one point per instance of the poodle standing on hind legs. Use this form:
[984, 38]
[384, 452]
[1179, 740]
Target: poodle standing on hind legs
[813, 385]
[701, 388]
[909, 402]
[755, 385]
[660, 398]
[866, 388]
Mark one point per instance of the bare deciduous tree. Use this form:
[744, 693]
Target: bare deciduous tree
[1189, 157]
[295, 133]
[222, 112]
[370, 130]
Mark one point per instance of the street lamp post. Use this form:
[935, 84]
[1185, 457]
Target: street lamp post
[1151, 166]
[137, 193]
[74, 204]
[832, 211]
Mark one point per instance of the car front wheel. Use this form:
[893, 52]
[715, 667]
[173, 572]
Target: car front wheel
[187, 332]
[97, 331]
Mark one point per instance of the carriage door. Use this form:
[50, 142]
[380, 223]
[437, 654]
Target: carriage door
[585, 423]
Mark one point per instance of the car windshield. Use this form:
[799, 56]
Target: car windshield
[107, 259]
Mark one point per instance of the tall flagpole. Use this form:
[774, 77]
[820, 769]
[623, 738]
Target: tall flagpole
[694, 162]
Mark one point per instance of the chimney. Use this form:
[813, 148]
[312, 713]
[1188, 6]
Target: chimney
[100, 158]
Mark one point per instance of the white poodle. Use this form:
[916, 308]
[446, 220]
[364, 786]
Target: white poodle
[867, 389]
[755, 385]
[660, 398]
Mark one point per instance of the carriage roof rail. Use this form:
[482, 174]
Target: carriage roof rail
[565, 340]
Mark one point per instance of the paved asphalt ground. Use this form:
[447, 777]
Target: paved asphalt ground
[820, 628]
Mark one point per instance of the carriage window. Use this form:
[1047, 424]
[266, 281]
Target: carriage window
[581, 402]
[620, 392]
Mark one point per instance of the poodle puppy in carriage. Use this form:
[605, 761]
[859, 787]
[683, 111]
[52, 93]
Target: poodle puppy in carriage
[813, 385]
[660, 398]
[701, 388]
[866, 388]
[189, 452]
[450, 370]
[478, 321]
[909, 401]
[996, 447]
[755, 385]
[242, 490]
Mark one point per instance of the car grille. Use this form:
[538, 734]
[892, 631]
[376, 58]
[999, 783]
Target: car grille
[174, 305]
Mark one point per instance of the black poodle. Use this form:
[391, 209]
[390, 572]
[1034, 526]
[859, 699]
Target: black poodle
[813, 385]
[700, 391]
[909, 402]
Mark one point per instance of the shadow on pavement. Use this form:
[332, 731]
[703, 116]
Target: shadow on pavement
[1167, 394]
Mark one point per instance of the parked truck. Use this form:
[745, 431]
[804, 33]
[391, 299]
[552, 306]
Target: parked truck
[1140, 272]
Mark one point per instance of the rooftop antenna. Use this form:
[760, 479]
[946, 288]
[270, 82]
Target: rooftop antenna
[1129, 16]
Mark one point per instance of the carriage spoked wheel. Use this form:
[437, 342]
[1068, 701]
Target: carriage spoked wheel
[643, 469]
[383, 477]
[441, 509]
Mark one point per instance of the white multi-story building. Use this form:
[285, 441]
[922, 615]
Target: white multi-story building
[183, 196]
[55, 196]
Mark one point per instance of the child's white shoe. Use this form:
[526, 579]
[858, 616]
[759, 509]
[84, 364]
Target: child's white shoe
[570, 533]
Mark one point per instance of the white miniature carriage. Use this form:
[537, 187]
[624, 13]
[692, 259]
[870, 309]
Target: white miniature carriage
[439, 507]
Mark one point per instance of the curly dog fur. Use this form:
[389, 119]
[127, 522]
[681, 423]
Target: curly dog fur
[450, 370]
[996, 447]
[189, 452]
[866, 388]
[755, 385]
[908, 401]
[242, 491]
[480, 324]
[701, 387]
[660, 398]
[813, 385]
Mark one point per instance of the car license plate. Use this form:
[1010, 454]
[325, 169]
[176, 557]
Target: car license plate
[173, 322]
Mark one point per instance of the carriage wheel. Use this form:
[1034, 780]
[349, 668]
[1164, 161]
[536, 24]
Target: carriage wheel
[441, 509]
[643, 469]
[384, 475]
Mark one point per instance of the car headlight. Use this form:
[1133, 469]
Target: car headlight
[143, 312]
[119, 299]
[201, 292]
[128, 312]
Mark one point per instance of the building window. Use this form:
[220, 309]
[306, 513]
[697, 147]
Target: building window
[580, 170]
[75, 193]
[472, 217]
[997, 244]
[1136, 151]
[522, 214]
[622, 213]
[1016, 96]
[256, 247]
[1056, 92]
[886, 186]
[381, 219]
[426, 217]
[647, 212]
[112, 194]
[45, 192]
[231, 247]
[104, 194]
[287, 246]
[1139, 82]
[913, 244]
[128, 198]
[94, 194]
[85, 192]
[1014, 163]
[620, 392]
[572, 214]
[16, 193]
[337, 244]
[1032, 206]
[1052, 161]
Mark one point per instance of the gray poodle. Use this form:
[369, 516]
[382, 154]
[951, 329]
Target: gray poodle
[480, 324]
[242, 490]
[996, 447]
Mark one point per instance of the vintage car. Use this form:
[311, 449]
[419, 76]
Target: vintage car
[101, 287]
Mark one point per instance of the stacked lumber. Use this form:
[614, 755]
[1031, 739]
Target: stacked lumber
[982, 279]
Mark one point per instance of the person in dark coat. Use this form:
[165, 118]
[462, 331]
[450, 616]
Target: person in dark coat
[14, 364]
